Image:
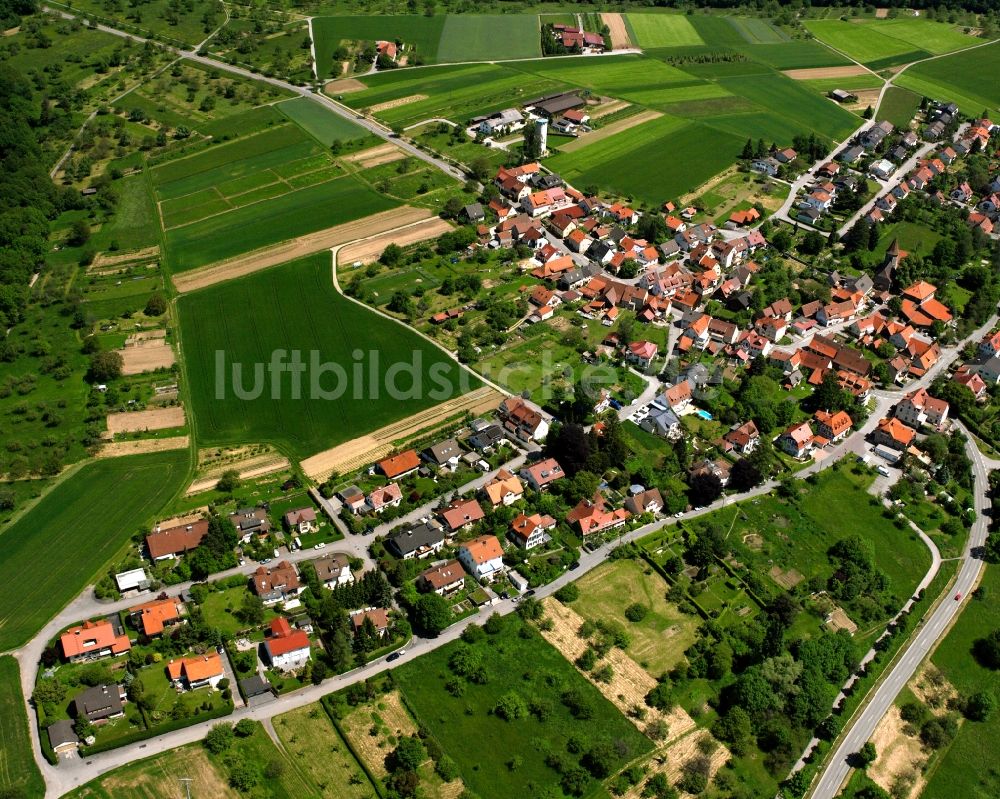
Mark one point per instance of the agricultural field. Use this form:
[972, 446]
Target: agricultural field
[663, 30]
[517, 667]
[959, 78]
[421, 32]
[19, 774]
[863, 42]
[899, 106]
[716, 31]
[797, 54]
[758, 31]
[296, 307]
[658, 641]
[320, 122]
[631, 164]
[468, 37]
[64, 522]
[190, 26]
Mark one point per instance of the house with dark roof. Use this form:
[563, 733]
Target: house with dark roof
[418, 542]
[100, 703]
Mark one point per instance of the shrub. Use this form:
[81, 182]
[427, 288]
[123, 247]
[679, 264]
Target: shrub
[636, 612]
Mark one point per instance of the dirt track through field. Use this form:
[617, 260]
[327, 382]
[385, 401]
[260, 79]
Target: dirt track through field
[343, 86]
[144, 356]
[376, 156]
[137, 421]
[413, 98]
[370, 249]
[117, 449]
[367, 449]
[610, 130]
[819, 73]
[297, 248]
[618, 31]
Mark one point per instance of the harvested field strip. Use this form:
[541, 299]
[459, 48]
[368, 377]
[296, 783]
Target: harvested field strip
[246, 472]
[137, 421]
[817, 73]
[671, 760]
[376, 156]
[612, 107]
[104, 260]
[618, 31]
[366, 449]
[343, 86]
[296, 248]
[630, 684]
[118, 449]
[609, 130]
[370, 249]
[145, 358]
[413, 98]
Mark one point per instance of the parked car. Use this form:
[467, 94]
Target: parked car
[615, 404]
[320, 545]
[392, 657]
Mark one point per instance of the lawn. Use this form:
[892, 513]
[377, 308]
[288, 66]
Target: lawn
[421, 32]
[270, 221]
[56, 548]
[295, 307]
[865, 42]
[481, 37]
[898, 106]
[652, 162]
[18, 772]
[319, 752]
[219, 606]
[466, 728]
[320, 122]
[959, 78]
[663, 30]
[968, 767]
[658, 642]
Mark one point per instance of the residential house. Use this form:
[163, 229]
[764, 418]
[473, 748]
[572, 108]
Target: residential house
[444, 452]
[151, 617]
[100, 703]
[168, 543]
[353, 499]
[662, 421]
[832, 426]
[502, 122]
[488, 439]
[766, 166]
[743, 439]
[379, 618]
[894, 434]
[461, 514]
[387, 496]
[92, 640]
[540, 475]
[286, 649]
[990, 345]
[528, 532]
[504, 489]
[786, 156]
[418, 542]
[919, 408]
[972, 381]
[399, 465]
[334, 571]
[250, 522]
[593, 516]
[882, 168]
[523, 421]
[301, 521]
[442, 579]
[196, 671]
[276, 584]
[797, 440]
[482, 557]
[648, 501]
[132, 581]
[641, 353]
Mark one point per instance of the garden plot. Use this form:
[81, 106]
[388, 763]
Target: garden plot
[141, 421]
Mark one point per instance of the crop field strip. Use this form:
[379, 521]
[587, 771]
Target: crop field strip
[663, 30]
[66, 521]
[295, 307]
[18, 772]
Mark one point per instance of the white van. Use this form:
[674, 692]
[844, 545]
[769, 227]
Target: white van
[298, 542]
[883, 471]
[276, 553]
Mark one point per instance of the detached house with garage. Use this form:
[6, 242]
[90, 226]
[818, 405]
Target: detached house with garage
[276, 584]
[100, 703]
[301, 521]
[442, 579]
[832, 426]
[528, 532]
[92, 640]
[286, 649]
[399, 465]
[797, 440]
[743, 439]
[482, 557]
[461, 514]
[334, 570]
[593, 516]
[169, 542]
[504, 489]
[418, 542]
[196, 672]
[151, 617]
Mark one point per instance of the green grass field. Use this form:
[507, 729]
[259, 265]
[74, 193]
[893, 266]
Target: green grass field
[968, 767]
[418, 31]
[798, 54]
[663, 30]
[757, 31]
[652, 162]
[866, 42]
[899, 106]
[717, 31]
[55, 549]
[295, 307]
[270, 221]
[18, 773]
[824, 85]
[924, 34]
[320, 122]
[959, 78]
[658, 642]
[466, 729]
[474, 37]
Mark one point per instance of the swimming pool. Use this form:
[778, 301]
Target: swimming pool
[704, 415]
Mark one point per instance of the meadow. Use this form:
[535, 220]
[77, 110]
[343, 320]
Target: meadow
[663, 30]
[959, 78]
[271, 221]
[320, 122]
[899, 106]
[652, 162]
[155, 16]
[419, 31]
[466, 728]
[295, 307]
[797, 54]
[19, 774]
[56, 548]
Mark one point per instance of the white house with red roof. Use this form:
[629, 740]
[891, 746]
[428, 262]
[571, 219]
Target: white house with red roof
[641, 353]
[286, 649]
[919, 408]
